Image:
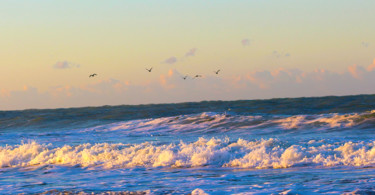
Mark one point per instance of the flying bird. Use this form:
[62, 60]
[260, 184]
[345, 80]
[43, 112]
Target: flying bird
[185, 77]
[92, 75]
[149, 70]
[217, 72]
[196, 76]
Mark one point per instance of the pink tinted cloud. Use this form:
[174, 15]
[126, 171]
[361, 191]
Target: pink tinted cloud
[170, 87]
[4, 93]
[356, 71]
[164, 80]
[245, 42]
[371, 66]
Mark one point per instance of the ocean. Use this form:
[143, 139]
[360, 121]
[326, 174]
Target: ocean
[316, 145]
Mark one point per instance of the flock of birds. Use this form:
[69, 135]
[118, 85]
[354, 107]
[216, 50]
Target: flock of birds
[150, 69]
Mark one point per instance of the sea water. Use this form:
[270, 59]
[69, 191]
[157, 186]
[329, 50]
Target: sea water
[277, 146]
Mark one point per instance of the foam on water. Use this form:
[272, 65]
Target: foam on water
[279, 146]
[198, 192]
[259, 154]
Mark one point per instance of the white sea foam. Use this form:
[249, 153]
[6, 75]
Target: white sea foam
[259, 154]
[198, 191]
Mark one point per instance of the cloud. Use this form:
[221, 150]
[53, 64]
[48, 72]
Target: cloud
[170, 87]
[356, 71]
[245, 42]
[164, 80]
[170, 60]
[365, 44]
[278, 54]
[65, 65]
[191, 52]
[371, 66]
[4, 93]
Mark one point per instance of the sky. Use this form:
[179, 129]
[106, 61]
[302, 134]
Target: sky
[264, 49]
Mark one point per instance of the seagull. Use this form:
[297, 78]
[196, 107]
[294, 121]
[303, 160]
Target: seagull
[92, 75]
[217, 72]
[149, 70]
[196, 76]
[185, 77]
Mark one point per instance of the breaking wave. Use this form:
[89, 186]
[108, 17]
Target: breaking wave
[209, 122]
[259, 154]
[187, 148]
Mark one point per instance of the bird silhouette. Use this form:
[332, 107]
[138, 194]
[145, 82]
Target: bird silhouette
[149, 70]
[217, 72]
[196, 76]
[92, 75]
[185, 77]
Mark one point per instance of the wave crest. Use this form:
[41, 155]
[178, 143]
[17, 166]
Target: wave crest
[259, 154]
[211, 122]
